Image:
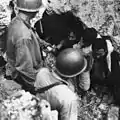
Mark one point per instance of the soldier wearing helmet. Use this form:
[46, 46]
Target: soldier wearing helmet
[23, 47]
[69, 64]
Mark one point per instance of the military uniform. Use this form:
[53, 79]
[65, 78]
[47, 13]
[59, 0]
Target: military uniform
[60, 97]
[23, 51]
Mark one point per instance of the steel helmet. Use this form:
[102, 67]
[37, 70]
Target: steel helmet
[29, 5]
[70, 62]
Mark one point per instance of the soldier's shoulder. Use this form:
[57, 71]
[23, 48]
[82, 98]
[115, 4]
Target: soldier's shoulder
[17, 24]
[18, 29]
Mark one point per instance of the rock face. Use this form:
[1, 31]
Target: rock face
[103, 15]
[100, 14]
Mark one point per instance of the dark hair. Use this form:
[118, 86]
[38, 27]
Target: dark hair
[89, 35]
[99, 43]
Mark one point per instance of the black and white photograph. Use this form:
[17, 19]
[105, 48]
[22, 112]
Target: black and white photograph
[59, 59]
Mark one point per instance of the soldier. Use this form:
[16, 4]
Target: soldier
[69, 64]
[23, 44]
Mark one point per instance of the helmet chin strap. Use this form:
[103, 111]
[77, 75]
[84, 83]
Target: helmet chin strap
[59, 77]
[55, 74]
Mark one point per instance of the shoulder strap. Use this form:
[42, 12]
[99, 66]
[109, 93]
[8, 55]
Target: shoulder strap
[41, 27]
[41, 90]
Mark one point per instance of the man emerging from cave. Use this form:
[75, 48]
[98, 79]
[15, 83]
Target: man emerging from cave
[23, 46]
[101, 48]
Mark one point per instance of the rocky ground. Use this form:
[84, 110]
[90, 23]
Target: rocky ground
[104, 16]
[97, 104]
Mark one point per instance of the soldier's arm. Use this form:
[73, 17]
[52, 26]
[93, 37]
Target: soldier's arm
[24, 63]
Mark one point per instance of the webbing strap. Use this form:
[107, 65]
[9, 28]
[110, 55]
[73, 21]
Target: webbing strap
[41, 90]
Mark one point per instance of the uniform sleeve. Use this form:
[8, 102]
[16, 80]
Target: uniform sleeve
[24, 63]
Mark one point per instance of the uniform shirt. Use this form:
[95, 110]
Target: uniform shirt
[23, 50]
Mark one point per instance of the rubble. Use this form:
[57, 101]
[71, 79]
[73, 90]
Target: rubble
[25, 106]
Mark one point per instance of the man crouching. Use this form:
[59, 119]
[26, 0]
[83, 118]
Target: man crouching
[69, 64]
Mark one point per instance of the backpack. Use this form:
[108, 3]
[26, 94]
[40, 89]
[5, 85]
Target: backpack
[3, 35]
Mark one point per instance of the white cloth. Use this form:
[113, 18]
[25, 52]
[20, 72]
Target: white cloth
[110, 49]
